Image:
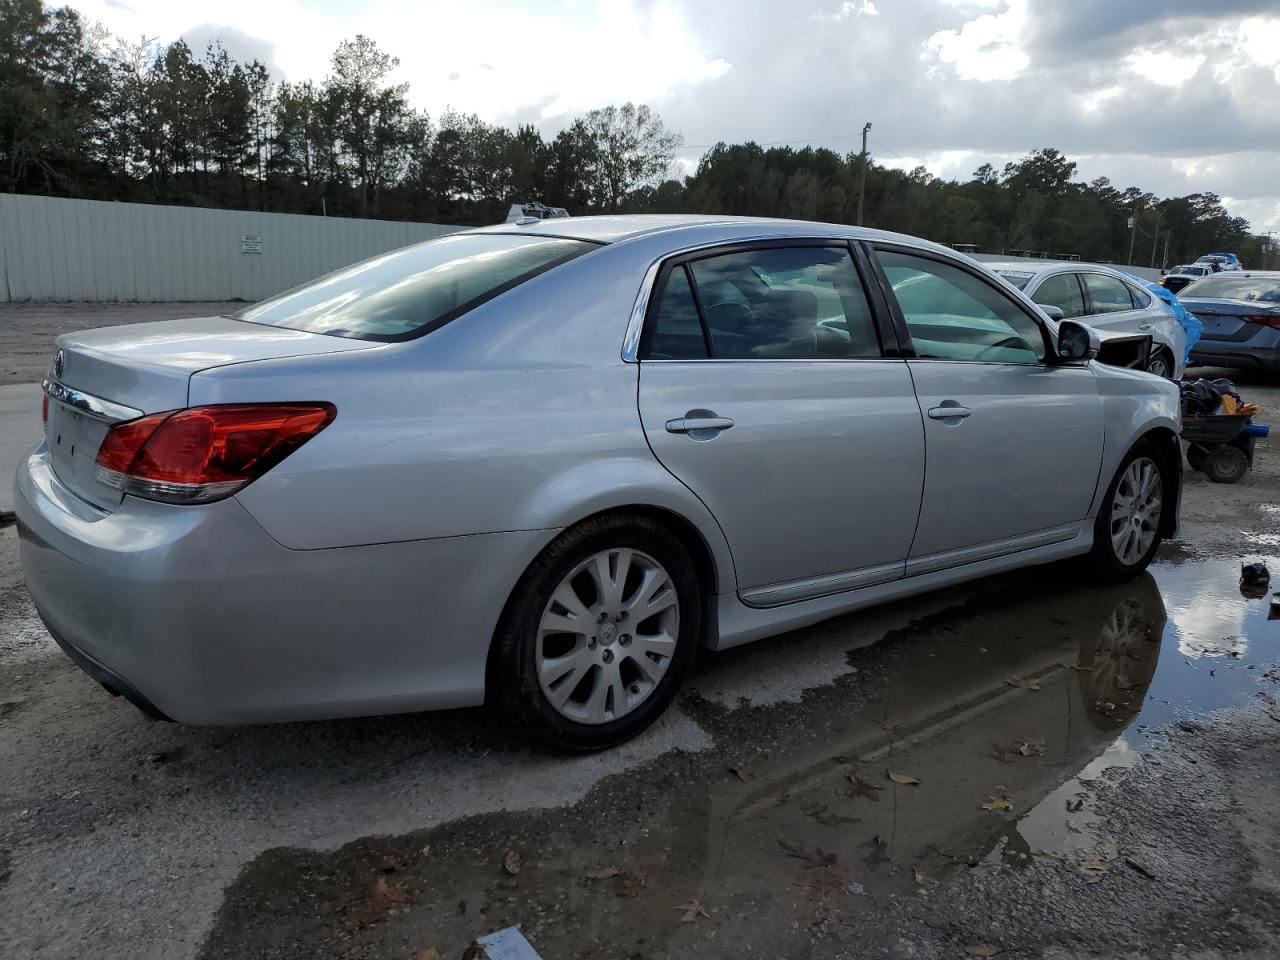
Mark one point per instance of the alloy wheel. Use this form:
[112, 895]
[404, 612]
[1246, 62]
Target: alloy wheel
[1135, 510]
[1159, 366]
[607, 636]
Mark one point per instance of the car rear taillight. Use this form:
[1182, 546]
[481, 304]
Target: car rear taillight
[1266, 319]
[205, 453]
[44, 408]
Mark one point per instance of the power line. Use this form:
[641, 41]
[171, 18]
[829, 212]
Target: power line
[776, 143]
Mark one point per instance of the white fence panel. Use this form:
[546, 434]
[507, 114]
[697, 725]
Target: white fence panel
[52, 248]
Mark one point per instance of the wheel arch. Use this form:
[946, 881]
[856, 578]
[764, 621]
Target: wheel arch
[710, 567]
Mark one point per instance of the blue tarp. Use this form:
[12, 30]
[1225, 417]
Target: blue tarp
[1188, 320]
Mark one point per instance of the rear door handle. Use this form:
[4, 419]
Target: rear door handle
[949, 410]
[697, 424]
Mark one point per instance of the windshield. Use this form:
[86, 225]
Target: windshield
[1223, 286]
[1019, 278]
[408, 292]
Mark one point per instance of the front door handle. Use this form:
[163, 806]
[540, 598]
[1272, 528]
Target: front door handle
[949, 410]
[699, 424]
[1145, 326]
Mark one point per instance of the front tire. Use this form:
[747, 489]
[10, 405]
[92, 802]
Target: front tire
[1161, 364]
[1127, 532]
[599, 633]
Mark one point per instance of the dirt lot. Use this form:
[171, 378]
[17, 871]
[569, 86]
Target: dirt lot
[1025, 765]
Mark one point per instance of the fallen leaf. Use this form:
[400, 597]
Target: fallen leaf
[426, 851]
[1140, 868]
[1031, 747]
[630, 884]
[819, 858]
[694, 909]
[430, 953]
[886, 723]
[903, 778]
[1021, 684]
[920, 877]
[998, 803]
[511, 863]
[983, 950]
[603, 873]
[366, 911]
[879, 852]
[1081, 667]
[1150, 758]
[863, 788]
[742, 772]
[1095, 866]
[1076, 805]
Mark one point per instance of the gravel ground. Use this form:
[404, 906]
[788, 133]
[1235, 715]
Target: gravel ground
[1098, 773]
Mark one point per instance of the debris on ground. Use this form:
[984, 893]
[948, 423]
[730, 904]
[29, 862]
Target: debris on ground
[862, 788]
[366, 911]
[603, 873]
[694, 909]
[997, 803]
[1020, 684]
[508, 944]
[982, 950]
[905, 779]
[631, 883]
[742, 772]
[819, 858]
[511, 863]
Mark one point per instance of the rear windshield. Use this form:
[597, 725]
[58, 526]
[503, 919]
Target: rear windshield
[1225, 286]
[408, 292]
[1019, 278]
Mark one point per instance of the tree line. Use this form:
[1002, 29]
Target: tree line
[85, 114]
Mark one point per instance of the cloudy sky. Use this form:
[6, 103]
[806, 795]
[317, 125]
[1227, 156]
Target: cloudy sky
[1175, 96]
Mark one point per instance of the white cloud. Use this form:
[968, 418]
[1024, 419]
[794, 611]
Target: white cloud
[1165, 68]
[989, 47]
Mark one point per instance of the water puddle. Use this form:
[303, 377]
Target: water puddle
[977, 737]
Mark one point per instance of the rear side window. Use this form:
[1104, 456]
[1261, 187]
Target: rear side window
[408, 292]
[773, 303]
[1062, 290]
[1106, 294]
[1141, 299]
[677, 332]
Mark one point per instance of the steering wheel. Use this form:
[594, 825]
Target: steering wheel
[1014, 342]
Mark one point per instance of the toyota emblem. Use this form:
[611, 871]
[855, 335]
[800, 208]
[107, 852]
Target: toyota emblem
[58, 361]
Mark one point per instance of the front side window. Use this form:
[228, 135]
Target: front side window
[1062, 290]
[407, 292]
[1106, 294]
[953, 315]
[775, 303]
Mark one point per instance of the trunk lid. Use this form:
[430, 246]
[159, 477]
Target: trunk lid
[1225, 319]
[146, 368]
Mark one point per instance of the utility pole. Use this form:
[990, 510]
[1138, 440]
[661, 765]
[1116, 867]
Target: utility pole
[1155, 236]
[862, 174]
[1133, 232]
[1267, 245]
[1164, 260]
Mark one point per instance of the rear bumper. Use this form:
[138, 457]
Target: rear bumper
[1261, 352]
[194, 613]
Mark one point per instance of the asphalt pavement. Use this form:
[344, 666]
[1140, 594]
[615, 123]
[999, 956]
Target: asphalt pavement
[1026, 765]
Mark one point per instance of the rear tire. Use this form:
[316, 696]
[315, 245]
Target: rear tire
[1161, 364]
[1226, 464]
[1127, 533]
[611, 671]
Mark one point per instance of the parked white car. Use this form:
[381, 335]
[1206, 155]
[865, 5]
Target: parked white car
[1108, 301]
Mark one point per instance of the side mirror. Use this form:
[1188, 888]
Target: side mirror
[1077, 341]
[1052, 312]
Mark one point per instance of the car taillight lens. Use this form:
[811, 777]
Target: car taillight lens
[44, 408]
[205, 453]
[1266, 319]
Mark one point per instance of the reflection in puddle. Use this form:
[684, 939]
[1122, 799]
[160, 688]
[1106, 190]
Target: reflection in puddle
[979, 736]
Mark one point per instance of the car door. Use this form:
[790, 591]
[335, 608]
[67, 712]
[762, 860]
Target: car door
[1110, 304]
[1061, 290]
[1013, 441]
[769, 389]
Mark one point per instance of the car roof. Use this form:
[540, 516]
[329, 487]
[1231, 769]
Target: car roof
[1037, 267]
[615, 229]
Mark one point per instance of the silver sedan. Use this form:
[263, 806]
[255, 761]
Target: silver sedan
[539, 464]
